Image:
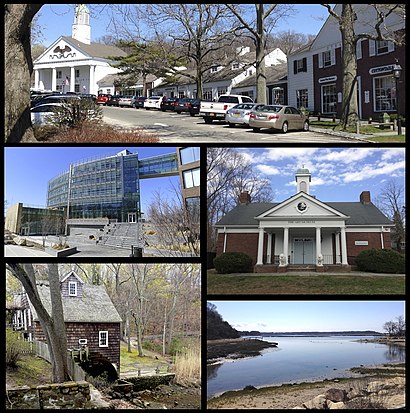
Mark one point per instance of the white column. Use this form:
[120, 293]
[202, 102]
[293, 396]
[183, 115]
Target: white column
[337, 247]
[318, 245]
[260, 247]
[54, 79]
[269, 249]
[224, 250]
[344, 245]
[36, 79]
[382, 238]
[72, 79]
[91, 87]
[286, 244]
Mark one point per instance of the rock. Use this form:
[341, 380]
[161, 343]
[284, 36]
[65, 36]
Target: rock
[336, 395]
[394, 401]
[375, 386]
[249, 388]
[298, 407]
[318, 402]
[335, 405]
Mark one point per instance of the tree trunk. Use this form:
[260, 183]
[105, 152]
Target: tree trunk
[349, 115]
[199, 82]
[260, 56]
[19, 67]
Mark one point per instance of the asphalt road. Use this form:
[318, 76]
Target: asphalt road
[171, 127]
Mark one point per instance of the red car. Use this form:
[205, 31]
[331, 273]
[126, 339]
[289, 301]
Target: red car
[102, 99]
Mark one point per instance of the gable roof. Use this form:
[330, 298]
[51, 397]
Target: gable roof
[95, 306]
[359, 214]
[273, 74]
[62, 279]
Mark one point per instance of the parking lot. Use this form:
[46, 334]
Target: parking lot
[173, 127]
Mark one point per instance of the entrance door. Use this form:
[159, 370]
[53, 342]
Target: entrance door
[303, 251]
[132, 217]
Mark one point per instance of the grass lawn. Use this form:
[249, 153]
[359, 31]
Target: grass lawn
[293, 284]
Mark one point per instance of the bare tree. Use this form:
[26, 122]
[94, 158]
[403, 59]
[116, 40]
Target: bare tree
[53, 325]
[228, 175]
[346, 21]
[391, 201]
[289, 40]
[258, 26]
[19, 66]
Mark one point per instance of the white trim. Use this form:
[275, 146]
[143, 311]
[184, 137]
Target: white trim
[99, 338]
[75, 275]
[70, 284]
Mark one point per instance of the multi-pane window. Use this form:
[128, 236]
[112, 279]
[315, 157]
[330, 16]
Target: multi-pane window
[59, 74]
[278, 96]
[222, 91]
[302, 98]
[77, 72]
[329, 98]
[207, 94]
[188, 155]
[382, 46]
[72, 288]
[103, 339]
[384, 93]
[300, 65]
[327, 58]
[191, 178]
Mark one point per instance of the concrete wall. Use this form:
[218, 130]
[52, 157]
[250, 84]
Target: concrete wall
[13, 218]
[69, 395]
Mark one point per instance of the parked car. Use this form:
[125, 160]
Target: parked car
[240, 114]
[88, 96]
[43, 114]
[126, 101]
[103, 98]
[114, 101]
[153, 102]
[169, 103]
[279, 117]
[54, 99]
[139, 102]
[194, 107]
[183, 105]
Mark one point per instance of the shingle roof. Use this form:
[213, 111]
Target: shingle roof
[96, 49]
[95, 306]
[360, 214]
[273, 75]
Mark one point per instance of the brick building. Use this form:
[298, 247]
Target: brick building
[303, 231]
[90, 318]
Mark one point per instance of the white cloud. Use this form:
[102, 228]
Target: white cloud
[268, 170]
[278, 154]
[389, 153]
[250, 326]
[347, 156]
[368, 171]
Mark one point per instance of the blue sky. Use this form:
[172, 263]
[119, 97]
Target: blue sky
[56, 20]
[338, 174]
[28, 170]
[292, 316]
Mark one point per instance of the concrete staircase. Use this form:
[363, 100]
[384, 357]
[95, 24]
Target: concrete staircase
[122, 235]
[301, 267]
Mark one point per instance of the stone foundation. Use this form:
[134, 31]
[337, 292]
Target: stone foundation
[68, 395]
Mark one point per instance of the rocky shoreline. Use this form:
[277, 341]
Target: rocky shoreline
[379, 387]
[218, 350]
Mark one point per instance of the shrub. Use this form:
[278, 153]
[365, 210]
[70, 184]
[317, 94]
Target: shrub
[229, 262]
[16, 347]
[381, 261]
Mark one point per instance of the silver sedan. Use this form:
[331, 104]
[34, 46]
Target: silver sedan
[279, 117]
[240, 113]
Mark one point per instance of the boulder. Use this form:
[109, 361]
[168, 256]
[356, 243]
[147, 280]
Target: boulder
[318, 402]
[335, 405]
[336, 395]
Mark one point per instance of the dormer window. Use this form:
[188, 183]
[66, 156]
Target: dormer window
[235, 66]
[72, 289]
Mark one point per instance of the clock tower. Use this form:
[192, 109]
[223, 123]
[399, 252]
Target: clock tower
[303, 178]
[81, 29]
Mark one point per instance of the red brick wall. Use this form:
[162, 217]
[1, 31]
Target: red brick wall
[373, 239]
[246, 243]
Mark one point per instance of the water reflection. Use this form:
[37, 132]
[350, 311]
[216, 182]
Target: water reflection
[212, 370]
[395, 353]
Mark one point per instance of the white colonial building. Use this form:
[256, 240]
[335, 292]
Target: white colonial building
[74, 64]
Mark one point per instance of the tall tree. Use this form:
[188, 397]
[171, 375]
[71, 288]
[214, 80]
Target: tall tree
[346, 20]
[53, 325]
[258, 25]
[229, 173]
[19, 66]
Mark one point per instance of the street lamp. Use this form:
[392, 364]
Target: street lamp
[397, 69]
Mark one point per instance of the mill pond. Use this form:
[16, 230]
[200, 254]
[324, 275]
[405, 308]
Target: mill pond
[300, 359]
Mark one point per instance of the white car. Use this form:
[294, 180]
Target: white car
[43, 114]
[153, 102]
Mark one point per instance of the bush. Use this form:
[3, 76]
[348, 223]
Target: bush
[16, 347]
[229, 262]
[381, 261]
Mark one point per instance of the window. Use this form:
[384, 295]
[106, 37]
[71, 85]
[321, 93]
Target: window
[191, 178]
[299, 65]
[382, 46]
[326, 56]
[221, 91]
[59, 74]
[302, 98]
[189, 155]
[235, 66]
[329, 98]
[384, 94]
[207, 94]
[77, 72]
[181, 94]
[77, 88]
[379, 47]
[278, 96]
[103, 339]
[72, 288]
[214, 69]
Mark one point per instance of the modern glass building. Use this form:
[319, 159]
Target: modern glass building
[107, 187]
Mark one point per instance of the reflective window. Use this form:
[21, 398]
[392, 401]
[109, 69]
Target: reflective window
[191, 178]
[189, 155]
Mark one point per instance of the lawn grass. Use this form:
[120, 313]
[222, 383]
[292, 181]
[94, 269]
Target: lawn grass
[388, 139]
[132, 361]
[320, 284]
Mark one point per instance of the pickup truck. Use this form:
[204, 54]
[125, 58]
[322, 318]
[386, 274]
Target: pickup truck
[217, 110]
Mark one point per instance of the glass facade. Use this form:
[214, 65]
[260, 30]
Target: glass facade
[188, 155]
[107, 187]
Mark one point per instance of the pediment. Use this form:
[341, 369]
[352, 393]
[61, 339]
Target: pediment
[60, 51]
[301, 206]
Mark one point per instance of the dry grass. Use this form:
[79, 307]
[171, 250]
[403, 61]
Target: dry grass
[188, 366]
[92, 133]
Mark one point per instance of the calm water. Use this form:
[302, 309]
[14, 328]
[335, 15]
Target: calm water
[298, 359]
